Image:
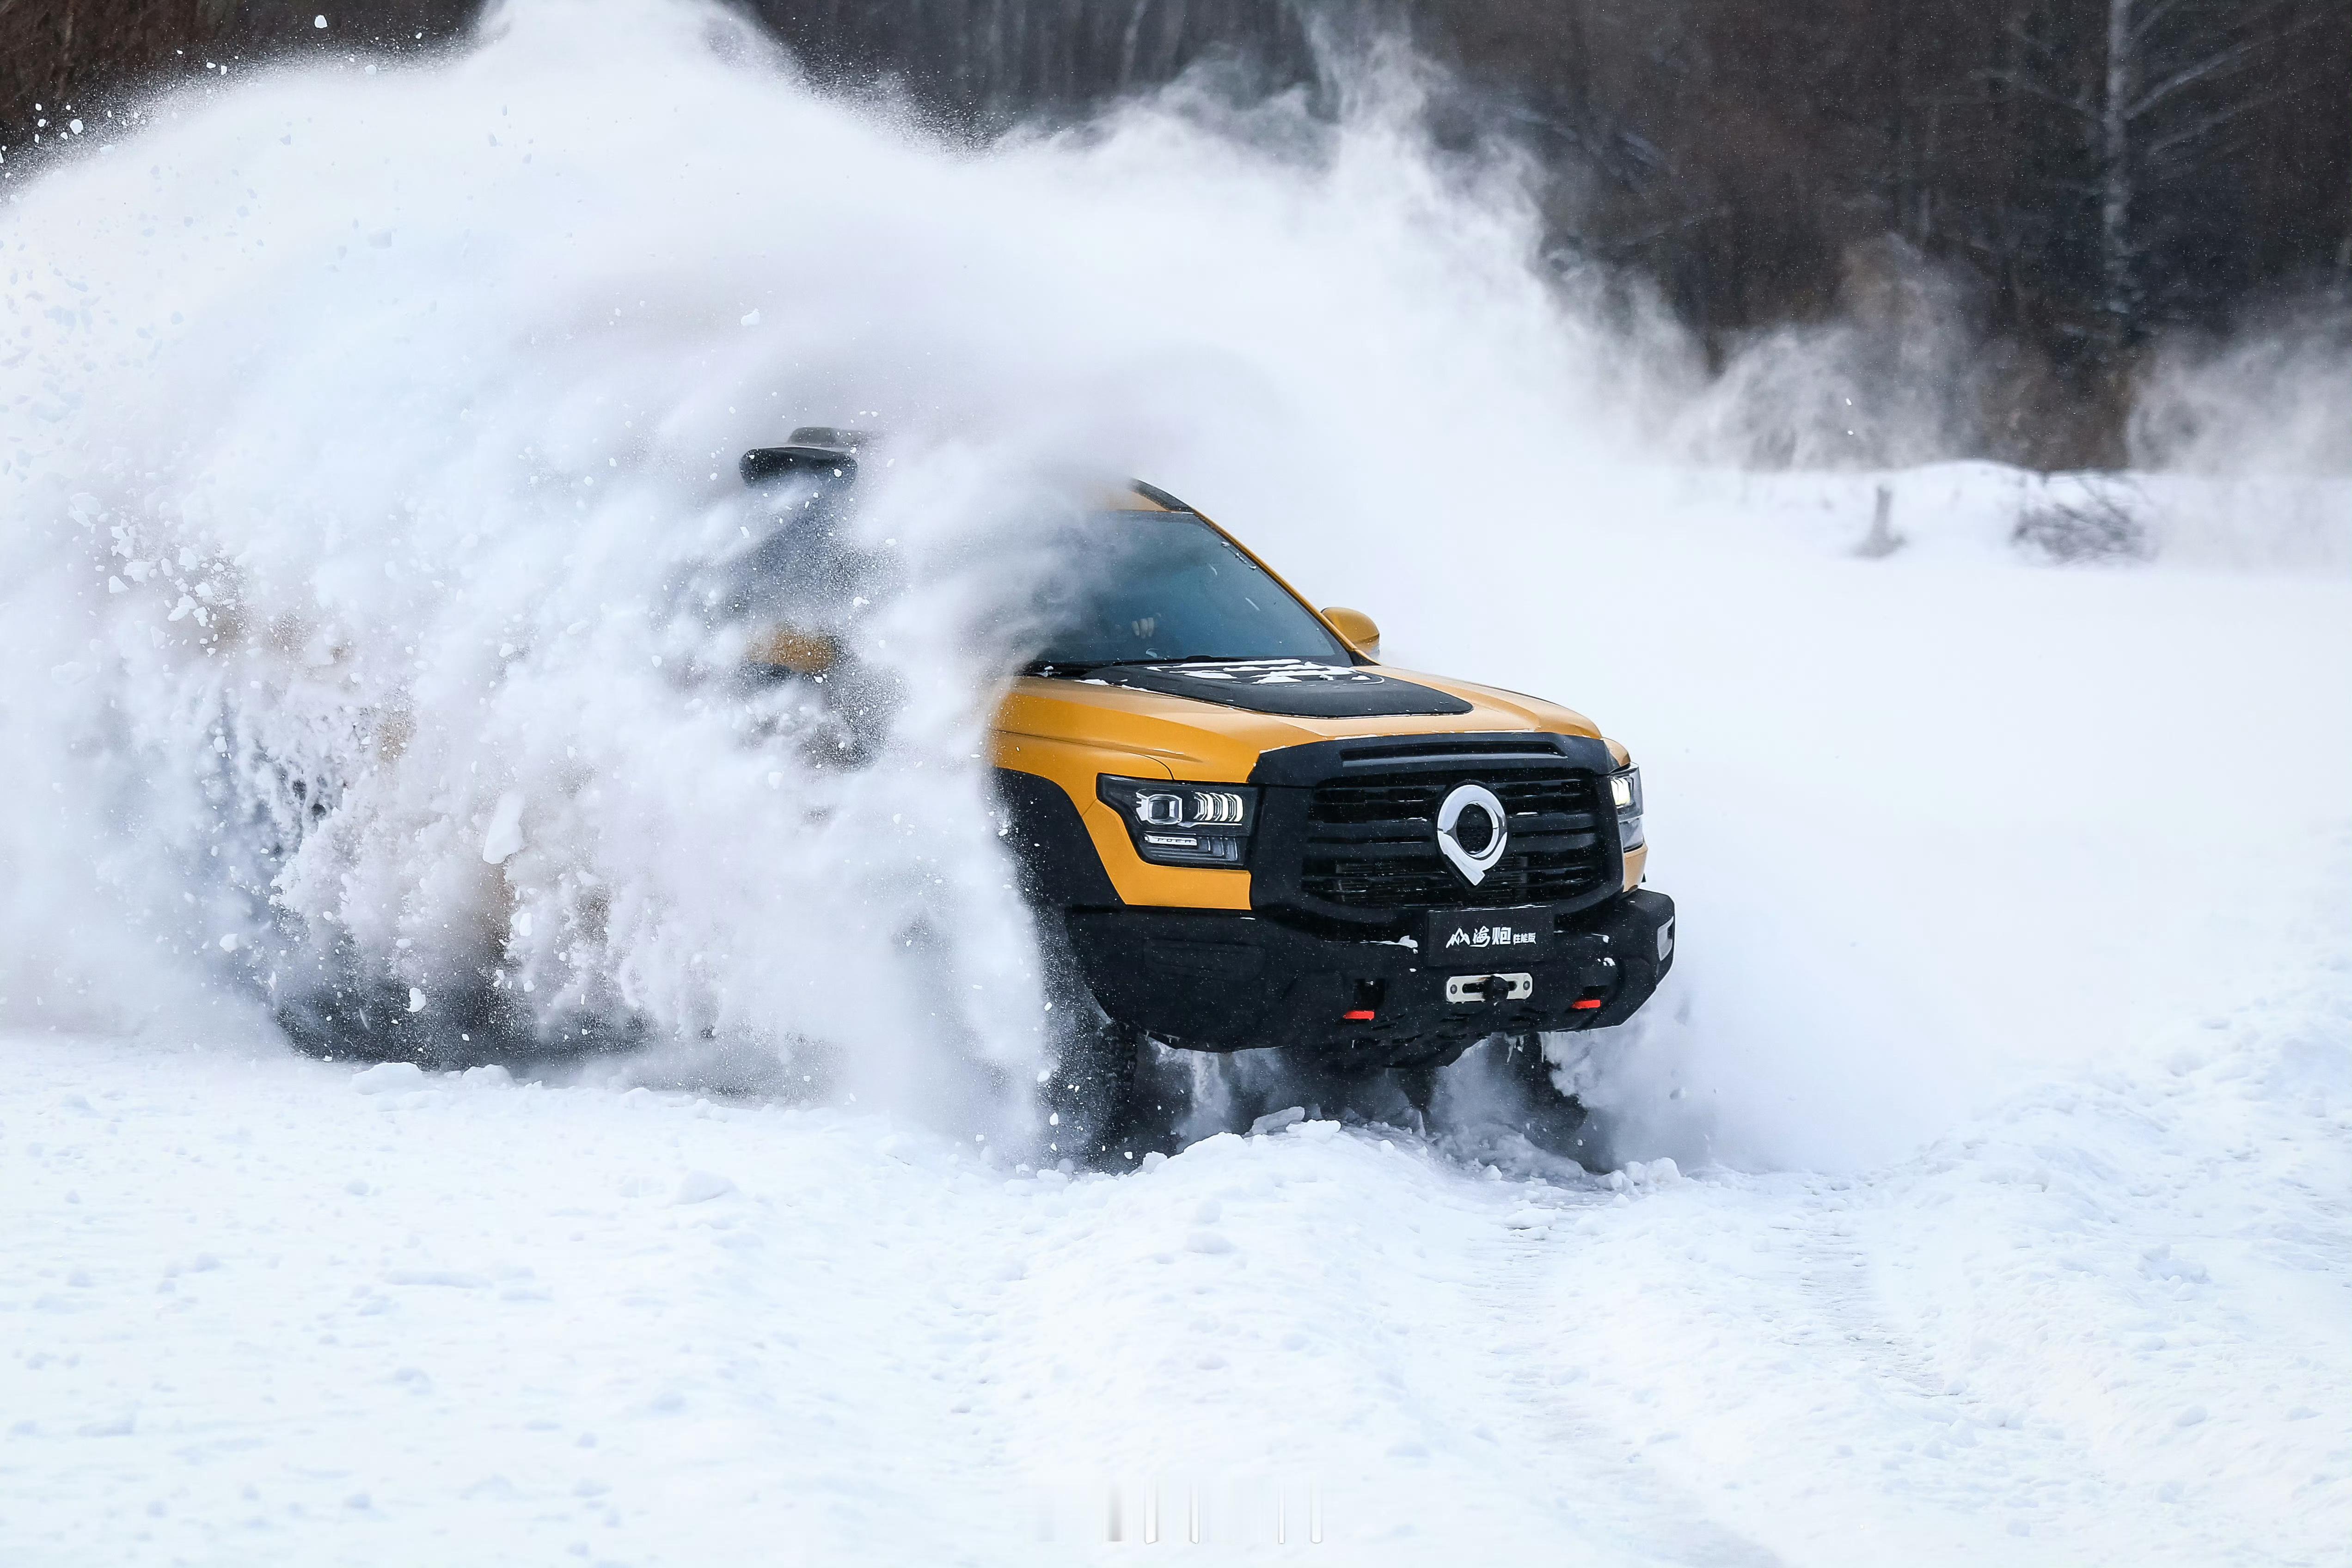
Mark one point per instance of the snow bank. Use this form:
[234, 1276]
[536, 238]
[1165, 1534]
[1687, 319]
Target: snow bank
[1988, 514]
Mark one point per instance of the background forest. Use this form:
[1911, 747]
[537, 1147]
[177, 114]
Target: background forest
[2011, 207]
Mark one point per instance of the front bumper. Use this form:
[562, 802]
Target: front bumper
[1218, 982]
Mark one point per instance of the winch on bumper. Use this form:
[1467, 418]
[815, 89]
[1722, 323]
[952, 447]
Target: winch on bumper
[1230, 981]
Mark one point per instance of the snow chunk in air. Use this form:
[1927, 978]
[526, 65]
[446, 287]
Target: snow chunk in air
[505, 836]
[1276, 1120]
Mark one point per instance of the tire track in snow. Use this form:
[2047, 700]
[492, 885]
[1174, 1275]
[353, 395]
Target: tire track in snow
[2007, 1349]
[1537, 1373]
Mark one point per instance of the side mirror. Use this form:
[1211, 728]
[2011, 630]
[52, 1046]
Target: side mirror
[1363, 632]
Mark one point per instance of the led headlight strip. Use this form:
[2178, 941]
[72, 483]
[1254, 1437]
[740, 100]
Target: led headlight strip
[1625, 792]
[1182, 823]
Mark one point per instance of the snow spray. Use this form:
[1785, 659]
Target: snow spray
[368, 428]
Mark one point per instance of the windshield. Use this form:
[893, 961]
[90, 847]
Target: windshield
[1146, 587]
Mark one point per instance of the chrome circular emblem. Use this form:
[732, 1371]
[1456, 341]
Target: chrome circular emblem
[1471, 830]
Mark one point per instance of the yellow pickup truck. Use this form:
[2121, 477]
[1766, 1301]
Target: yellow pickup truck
[1240, 829]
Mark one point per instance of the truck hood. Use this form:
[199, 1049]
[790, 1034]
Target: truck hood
[1208, 741]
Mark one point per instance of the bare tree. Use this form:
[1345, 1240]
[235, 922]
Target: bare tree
[2158, 98]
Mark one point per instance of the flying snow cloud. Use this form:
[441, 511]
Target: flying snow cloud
[370, 428]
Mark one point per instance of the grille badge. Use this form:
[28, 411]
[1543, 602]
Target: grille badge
[1473, 865]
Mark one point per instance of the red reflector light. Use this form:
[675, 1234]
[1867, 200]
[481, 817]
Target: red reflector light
[1364, 1015]
[1585, 1006]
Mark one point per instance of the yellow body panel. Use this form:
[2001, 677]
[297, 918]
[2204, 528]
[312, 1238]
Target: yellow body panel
[1073, 731]
[1075, 761]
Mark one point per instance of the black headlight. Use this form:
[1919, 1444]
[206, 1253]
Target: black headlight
[1625, 791]
[1183, 823]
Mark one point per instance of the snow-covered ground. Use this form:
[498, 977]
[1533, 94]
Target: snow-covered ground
[1985, 1186]
[260, 1310]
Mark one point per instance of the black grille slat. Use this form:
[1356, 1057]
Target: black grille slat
[1382, 852]
[1370, 833]
[1556, 842]
[1541, 823]
[1371, 839]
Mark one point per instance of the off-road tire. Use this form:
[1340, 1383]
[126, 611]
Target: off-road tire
[1092, 1097]
[1111, 1095]
[1554, 1123]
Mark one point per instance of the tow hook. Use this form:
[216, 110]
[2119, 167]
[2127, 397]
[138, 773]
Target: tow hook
[1466, 988]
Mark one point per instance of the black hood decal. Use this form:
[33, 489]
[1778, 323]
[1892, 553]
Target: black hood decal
[1294, 687]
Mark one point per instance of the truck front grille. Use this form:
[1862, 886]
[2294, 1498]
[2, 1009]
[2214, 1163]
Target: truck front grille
[1372, 842]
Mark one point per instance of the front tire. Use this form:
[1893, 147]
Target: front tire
[1107, 1098]
[1093, 1095]
[1555, 1123]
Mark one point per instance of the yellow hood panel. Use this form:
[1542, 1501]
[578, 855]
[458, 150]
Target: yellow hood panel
[1206, 743]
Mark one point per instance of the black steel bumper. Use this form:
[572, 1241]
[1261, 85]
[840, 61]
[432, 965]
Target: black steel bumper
[1236, 982]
